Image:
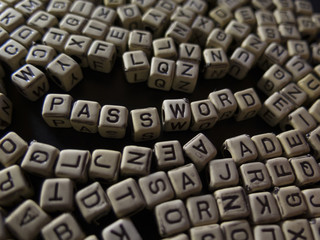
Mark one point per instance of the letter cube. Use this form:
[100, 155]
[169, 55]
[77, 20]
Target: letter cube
[295, 94]
[269, 34]
[101, 56]
[56, 38]
[119, 37]
[179, 32]
[168, 154]
[211, 230]
[241, 61]
[136, 66]
[311, 85]
[201, 28]
[58, 8]
[161, 73]
[95, 29]
[166, 6]
[255, 45]
[113, 121]
[31, 82]
[154, 21]
[164, 48]
[237, 30]
[130, 16]
[237, 227]
[140, 40]
[183, 15]
[42, 21]
[224, 102]
[275, 53]
[72, 23]
[77, 47]
[13, 54]
[65, 72]
[218, 38]
[26, 35]
[204, 115]
[216, 63]
[82, 8]
[26, 221]
[176, 114]
[85, 115]
[221, 15]
[40, 55]
[248, 104]
[280, 171]
[104, 14]
[146, 124]
[267, 145]
[10, 19]
[56, 110]
[190, 52]
[27, 7]
[120, 227]
[186, 76]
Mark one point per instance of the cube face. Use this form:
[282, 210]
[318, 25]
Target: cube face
[77, 47]
[186, 76]
[298, 67]
[42, 21]
[31, 82]
[219, 39]
[179, 32]
[65, 72]
[248, 104]
[216, 63]
[58, 8]
[224, 102]
[56, 110]
[136, 66]
[280, 171]
[161, 73]
[124, 224]
[57, 195]
[25, 35]
[155, 25]
[168, 154]
[241, 61]
[16, 19]
[267, 145]
[40, 55]
[130, 16]
[204, 115]
[24, 227]
[113, 121]
[72, 23]
[164, 48]
[102, 56]
[293, 143]
[55, 38]
[201, 28]
[140, 40]
[183, 15]
[119, 37]
[13, 54]
[104, 14]
[95, 29]
[82, 8]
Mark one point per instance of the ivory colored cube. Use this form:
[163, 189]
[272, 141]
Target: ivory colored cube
[140, 40]
[6, 108]
[280, 171]
[239, 31]
[73, 164]
[185, 181]
[211, 230]
[255, 45]
[186, 76]
[155, 21]
[58, 8]
[255, 177]
[136, 66]
[161, 74]
[31, 82]
[146, 124]
[12, 148]
[221, 15]
[55, 38]
[14, 187]
[290, 201]
[26, 35]
[198, 6]
[190, 52]
[168, 154]
[216, 63]
[298, 228]
[10, 19]
[26, 221]
[298, 67]
[202, 210]
[311, 197]
[42, 21]
[201, 28]
[267, 145]
[82, 8]
[105, 165]
[40, 55]
[77, 47]
[275, 108]
[224, 102]
[126, 198]
[136, 161]
[104, 14]
[222, 173]
[113, 121]
[119, 37]
[241, 148]
[265, 18]
[179, 32]
[65, 72]
[310, 85]
[72, 23]
[262, 4]
[237, 226]
[306, 169]
[200, 150]
[264, 231]
[293, 143]
[284, 15]
[289, 32]
[164, 48]
[101, 56]
[27, 7]
[40, 159]
[260, 214]
[231, 5]
[144, 5]
[121, 225]
[204, 115]
[245, 15]
[275, 53]
[57, 195]
[151, 190]
[269, 34]
[235, 209]
[56, 110]
[92, 202]
[62, 225]
[183, 15]
[241, 61]
[85, 115]
[13, 54]
[176, 114]
[95, 29]
[274, 79]
[218, 38]
[248, 104]
[303, 7]
[174, 208]
[130, 16]
[166, 6]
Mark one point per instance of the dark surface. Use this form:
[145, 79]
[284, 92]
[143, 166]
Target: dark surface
[113, 89]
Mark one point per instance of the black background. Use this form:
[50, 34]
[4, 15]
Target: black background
[113, 89]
